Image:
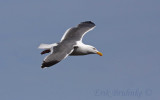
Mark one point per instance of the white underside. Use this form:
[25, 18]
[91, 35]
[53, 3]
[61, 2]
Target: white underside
[82, 48]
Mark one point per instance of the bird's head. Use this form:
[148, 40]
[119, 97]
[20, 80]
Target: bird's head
[93, 50]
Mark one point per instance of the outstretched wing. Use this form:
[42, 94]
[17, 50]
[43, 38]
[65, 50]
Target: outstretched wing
[53, 59]
[59, 53]
[77, 33]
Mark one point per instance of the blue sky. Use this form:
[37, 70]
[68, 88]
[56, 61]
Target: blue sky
[127, 33]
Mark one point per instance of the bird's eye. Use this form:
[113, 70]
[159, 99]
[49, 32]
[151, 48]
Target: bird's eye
[94, 48]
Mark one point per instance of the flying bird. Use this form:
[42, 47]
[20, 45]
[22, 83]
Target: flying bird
[70, 45]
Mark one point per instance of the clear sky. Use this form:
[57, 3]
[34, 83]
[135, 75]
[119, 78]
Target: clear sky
[127, 33]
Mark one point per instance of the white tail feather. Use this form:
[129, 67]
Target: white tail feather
[47, 46]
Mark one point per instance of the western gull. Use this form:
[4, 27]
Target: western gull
[70, 45]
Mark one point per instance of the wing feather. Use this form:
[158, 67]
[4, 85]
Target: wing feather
[77, 33]
[59, 53]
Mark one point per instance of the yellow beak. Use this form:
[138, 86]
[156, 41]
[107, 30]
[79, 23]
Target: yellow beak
[99, 53]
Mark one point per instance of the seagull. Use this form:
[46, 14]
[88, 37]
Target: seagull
[70, 45]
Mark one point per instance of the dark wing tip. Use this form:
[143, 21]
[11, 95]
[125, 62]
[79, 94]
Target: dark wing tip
[90, 23]
[48, 64]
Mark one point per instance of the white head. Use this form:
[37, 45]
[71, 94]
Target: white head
[92, 50]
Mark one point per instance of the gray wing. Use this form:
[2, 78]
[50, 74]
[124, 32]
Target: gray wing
[59, 53]
[77, 33]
